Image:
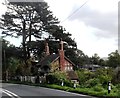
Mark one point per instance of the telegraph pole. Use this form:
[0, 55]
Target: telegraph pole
[6, 73]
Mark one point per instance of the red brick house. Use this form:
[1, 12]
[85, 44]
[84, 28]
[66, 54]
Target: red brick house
[57, 62]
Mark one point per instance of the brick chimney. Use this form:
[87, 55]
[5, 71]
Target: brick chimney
[61, 54]
[46, 48]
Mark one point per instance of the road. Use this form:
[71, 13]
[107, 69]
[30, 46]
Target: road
[21, 91]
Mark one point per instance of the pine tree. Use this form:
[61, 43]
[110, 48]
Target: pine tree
[27, 19]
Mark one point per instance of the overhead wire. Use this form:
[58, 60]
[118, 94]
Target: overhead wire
[75, 11]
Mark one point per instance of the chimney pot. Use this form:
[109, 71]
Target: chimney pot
[46, 48]
[61, 54]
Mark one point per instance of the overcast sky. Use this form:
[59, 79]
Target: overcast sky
[94, 26]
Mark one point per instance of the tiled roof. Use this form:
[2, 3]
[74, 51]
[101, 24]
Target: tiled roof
[47, 60]
[69, 61]
[72, 75]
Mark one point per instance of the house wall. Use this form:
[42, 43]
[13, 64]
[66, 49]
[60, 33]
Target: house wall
[55, 65]
[68, 66]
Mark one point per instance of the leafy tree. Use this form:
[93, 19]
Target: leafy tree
[10, 56]
[113, 59]
[77, 56]
[58, 32]
[102, 62]
[35, 19]
[95, 59]
[27, 19]
[8, 51]
[116, 76]
[12, 66]
[82, 58]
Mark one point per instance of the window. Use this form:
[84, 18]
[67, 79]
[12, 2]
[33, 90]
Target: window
[68, 68]
[65, 68]
[71, 68]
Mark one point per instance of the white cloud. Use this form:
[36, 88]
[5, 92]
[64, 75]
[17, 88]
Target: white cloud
[87, 40]
[94, 26]
[104, 6]
[3, 8]
[62, 8]
[105, 22]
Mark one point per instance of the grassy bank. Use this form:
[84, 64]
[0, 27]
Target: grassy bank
[96, 91]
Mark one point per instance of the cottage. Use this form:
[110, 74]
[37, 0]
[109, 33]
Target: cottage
[57, 62]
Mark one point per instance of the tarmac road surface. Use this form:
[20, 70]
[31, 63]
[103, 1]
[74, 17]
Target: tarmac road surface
[24, 91]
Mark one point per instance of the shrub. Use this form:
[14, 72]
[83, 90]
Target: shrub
[104, 75]
[98, 88]
[118, 86]
[92, 82]
[57, 78]
[68, 83]
[84, 75]
[118, 89]
[52, 79]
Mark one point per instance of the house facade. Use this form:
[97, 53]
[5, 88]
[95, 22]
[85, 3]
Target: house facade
[57, 62]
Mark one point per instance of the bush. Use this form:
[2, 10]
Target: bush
[104, 75]
[118, 86]
[92, 82]
[68, 83]
[84, 75]
[51, 79]
[118, 89]
[57, 78]
[98, 88]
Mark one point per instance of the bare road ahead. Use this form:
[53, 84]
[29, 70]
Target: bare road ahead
[25, 91]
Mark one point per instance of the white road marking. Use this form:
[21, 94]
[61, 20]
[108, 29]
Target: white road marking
[8, 94]
[11, 94]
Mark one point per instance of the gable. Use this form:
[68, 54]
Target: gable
[50, 59]
[55, 65]
[68, 60]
